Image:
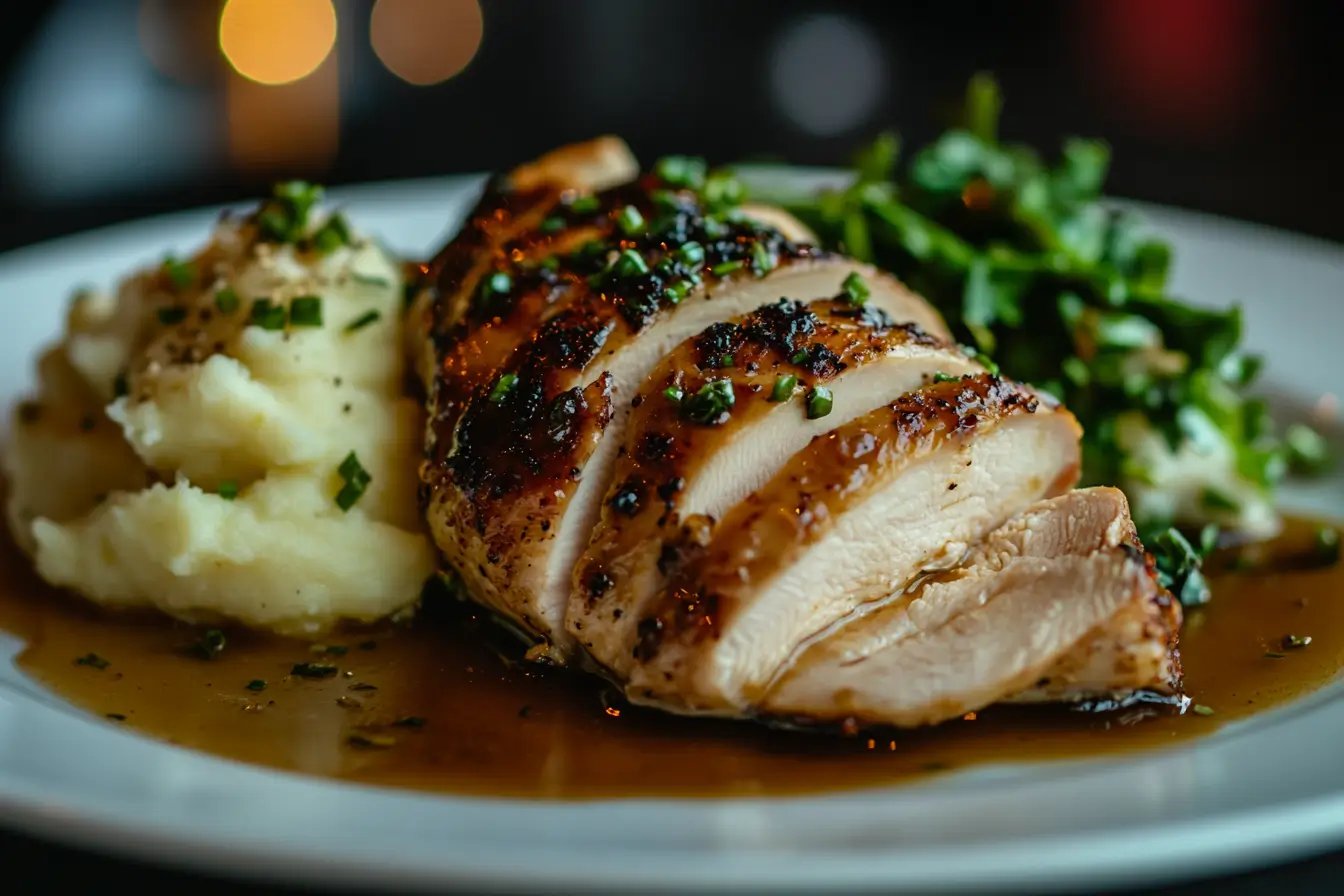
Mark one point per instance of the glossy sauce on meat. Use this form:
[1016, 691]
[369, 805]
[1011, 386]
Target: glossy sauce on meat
[445, 704]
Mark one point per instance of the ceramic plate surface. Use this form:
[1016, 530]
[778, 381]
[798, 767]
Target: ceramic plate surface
[1270, 788]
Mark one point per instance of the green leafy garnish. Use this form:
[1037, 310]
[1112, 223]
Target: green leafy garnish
[306, 311]
[181, 274]
[674, 394]
[228, 489]
[503, 386]
[355, 478]
[1027, 262]
[284, 217]
[333, 234]
[855, 289]
[268, 315]
[784, 386]
[226, 300]
[359, 323]
[171, 315]
[1179, 568]
[711, 403]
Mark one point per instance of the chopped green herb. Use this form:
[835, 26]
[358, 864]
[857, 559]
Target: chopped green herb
[674, 394]
[585, 205]
[677, 290]
[226, 300]
[256, 684]
[1201, 710]
[553, 224]
[763, 261]
[725, 361]
[363, 686]
[1213, 500]
[115, 716]
[681, 171]
[722, 191]
[174, 314]
[181, 274]
[268, 315]
[630, 264]
[210, 645]
[284, 218]
[359, 323]
[856, 289]
[711, 403]
[332, 235]
[1327, 544]
[356, 480]
[1296, 642]
[503, 386]
[691, 254]
[1271, 655]
[727, 267]
[1178, 568]
[630, 220]
[799, 357]
[313, 670]
[93, 661]
[228, 489]
[410, 722]
[784, 386]
[819, 402]
[306, 311]
[940, 377]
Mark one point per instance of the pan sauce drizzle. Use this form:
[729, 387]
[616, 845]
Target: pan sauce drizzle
[474, 720]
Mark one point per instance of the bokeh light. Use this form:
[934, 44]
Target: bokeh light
[426, 41]
[277, 41]
[827, 74]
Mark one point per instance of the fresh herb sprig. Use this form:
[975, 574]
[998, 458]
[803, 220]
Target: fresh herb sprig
[1029, 264]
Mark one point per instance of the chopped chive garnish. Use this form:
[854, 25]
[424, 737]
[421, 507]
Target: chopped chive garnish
[268, 315]
[819, 402]
[256, 684]
[727, 267]
[553, 224]
[226, 300]
[855, 289]
[210, 645]
[725, 361]
[691, 254]
[228, 489]
[763, 261]
[363, 320]
[181, 274]
[371, 741]
[1273, 655]
[674, 394]
[333, 234]
[313, 670]
[172, 315]
[710, 403]
[630, 264]
[306, 311]
[784, 387]
[503, 386]
[630, 220]
[940, 377]
[410, 722]
[356, 480]
[1201, 710]
[681, 171]
[584, 205]
[93, 661]
[677, 290]
[799, 357]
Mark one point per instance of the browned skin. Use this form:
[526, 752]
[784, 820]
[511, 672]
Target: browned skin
[664, 448]
[834, 472]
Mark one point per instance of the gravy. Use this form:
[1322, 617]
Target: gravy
[447, 703]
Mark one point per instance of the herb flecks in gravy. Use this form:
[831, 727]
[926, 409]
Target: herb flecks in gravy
[444, 704]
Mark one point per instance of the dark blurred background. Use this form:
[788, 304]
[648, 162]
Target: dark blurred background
[111, 109]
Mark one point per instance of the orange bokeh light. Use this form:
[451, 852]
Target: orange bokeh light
[277, 41]
[426, 41]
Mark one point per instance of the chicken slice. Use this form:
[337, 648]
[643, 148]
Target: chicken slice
[1067, 574]
[695, 456]
[533, 381]
[851, 518]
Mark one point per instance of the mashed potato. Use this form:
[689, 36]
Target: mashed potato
[227, 438]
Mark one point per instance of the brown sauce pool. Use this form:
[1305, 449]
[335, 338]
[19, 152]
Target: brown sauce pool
[447, 704]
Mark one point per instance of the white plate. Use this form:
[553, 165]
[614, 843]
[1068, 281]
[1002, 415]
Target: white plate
[1268, 789]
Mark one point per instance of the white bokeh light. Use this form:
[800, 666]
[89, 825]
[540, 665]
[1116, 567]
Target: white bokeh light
[827, 74]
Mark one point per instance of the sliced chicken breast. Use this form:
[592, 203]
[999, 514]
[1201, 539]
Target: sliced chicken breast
[531, 391]
[1010, 620]
[715, 420]
[852, 518]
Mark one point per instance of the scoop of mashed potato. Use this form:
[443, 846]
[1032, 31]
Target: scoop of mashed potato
[227, 437]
